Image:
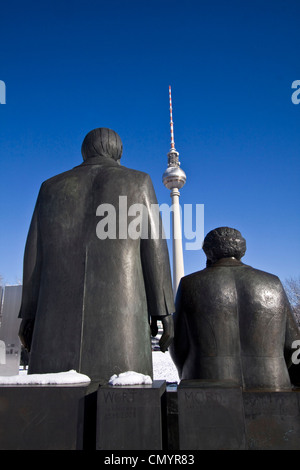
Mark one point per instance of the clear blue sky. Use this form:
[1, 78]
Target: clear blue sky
[71, 66]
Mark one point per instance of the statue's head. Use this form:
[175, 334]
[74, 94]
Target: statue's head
[224, 242]
[102, 142]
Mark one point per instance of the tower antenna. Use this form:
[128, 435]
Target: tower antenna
[171, 121]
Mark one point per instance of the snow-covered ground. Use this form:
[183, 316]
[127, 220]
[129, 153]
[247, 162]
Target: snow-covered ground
[163, 367]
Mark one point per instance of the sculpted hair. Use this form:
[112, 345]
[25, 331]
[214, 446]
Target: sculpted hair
[102, 142]
[224, 242]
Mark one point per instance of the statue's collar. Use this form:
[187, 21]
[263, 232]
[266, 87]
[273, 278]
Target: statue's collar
[227, 262]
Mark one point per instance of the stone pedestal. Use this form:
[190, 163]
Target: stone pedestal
[172, 418]
[41, 417]
[272, 420]
[210, 415]
[130, 417]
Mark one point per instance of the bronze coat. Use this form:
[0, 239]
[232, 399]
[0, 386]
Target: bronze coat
[234, 322]
[91, 299]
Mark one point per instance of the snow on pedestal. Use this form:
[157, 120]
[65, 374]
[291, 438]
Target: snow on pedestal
[130, 378]
[59, 378]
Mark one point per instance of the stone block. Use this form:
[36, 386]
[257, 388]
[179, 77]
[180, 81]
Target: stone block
[130, 417]
[41, 417]
[272, 420]
[210, 415]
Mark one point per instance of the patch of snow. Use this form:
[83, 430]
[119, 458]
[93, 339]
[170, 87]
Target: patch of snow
[2, 353]
[130, 378]
[59, 378]
[163, 367]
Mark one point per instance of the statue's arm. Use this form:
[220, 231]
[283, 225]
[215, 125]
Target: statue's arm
[31, 280]
[156, 268]
[155, 258]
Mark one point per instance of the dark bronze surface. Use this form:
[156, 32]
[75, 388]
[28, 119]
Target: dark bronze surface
[234, 322]
[87, 303]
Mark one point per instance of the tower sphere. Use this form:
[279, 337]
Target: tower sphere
[174, 177]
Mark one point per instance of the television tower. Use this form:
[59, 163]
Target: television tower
[174, 179]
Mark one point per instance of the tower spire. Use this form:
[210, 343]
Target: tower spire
[171, 121]
[173, 155]
[174, 179]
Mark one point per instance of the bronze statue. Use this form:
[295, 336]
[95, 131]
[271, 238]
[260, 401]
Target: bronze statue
[234, 322]
[89, 297]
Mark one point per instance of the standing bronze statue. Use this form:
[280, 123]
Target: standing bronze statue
[88, 299]
[234, 322]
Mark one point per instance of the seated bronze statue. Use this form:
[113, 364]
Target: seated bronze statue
[234, 322]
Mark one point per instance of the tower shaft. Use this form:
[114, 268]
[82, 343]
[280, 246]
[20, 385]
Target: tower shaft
[178, 264]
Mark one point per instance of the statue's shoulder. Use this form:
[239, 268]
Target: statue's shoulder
[262, 276]
[57, 178]
[259, 272]
[194, 277]
[135, 174]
